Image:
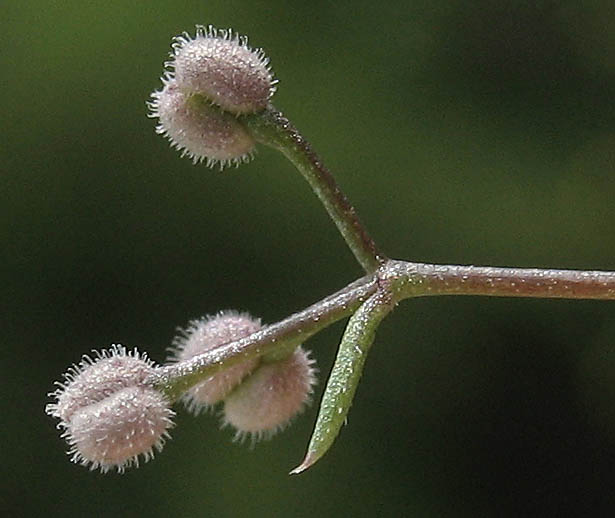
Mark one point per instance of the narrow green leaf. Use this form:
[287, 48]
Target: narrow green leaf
[345, 375]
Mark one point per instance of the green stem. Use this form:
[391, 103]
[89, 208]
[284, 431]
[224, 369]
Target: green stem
[273, 129]
[399, 280]
[369, 300]
[173, 380]
[420, 279]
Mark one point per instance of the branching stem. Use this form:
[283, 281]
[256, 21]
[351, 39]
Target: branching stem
[273, 129]
[420, 279]
[398, 280]
[175, 379]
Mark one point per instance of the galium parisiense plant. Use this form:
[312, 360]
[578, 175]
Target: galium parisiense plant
[215, 106]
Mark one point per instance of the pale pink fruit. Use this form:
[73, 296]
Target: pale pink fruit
[208, 333]
[220, 65]
[110, 411]
[198, 129]
[114, 432]
[271, 396]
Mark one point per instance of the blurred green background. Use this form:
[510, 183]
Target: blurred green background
[464, 132]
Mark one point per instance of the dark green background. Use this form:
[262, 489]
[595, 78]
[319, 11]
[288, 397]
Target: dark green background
[470, 132]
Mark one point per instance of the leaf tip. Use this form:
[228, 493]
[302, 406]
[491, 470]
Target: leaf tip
[309, 460]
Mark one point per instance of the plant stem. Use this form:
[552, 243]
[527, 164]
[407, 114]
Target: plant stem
[420, 279]
[273, 129]
[173, 380]
[398, 280]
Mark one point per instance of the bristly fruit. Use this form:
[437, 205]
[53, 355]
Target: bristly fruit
[220, 65]
[271, 396]
[199, 129]
[117, 430]
[109, 411]
[208, 333]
